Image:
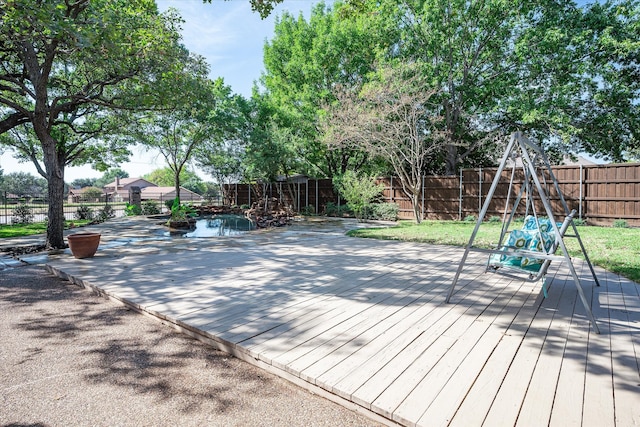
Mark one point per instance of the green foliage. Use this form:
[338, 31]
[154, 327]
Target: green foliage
[106, 213]
[170, 202]
[385, 211]
[494, 218]
[132, 210]
[90, 62]
[23, 184]
[579, 222]
[469, 218]
[19, 230]
[84, 212]
[212, 193]
[620, 223]
[359, 192]
[308, 210]
[165, 177]
[92, 194]
[22, 214]
[150, 207]
[199, 116]
[304, 61]
[332, 209]
[84, 182]
[181, 212]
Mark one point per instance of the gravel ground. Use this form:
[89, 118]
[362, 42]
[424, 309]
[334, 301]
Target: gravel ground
[71, 358]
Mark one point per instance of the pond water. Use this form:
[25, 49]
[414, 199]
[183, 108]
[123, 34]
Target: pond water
[219, 225]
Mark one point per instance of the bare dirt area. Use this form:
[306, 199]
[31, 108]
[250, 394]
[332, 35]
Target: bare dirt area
[69, 358]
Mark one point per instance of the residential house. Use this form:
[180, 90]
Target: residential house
[119, 191]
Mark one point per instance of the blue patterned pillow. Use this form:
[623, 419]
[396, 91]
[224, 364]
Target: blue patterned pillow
[541, 242]
[518, 239]
[530, 223]
[544, 223]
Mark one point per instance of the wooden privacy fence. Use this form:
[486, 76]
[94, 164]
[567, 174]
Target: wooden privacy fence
[600, 193]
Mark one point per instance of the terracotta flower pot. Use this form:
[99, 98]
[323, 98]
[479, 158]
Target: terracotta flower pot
[83, 245]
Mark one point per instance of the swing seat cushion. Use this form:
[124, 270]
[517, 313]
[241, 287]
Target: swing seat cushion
[540, 242]
[518, 239]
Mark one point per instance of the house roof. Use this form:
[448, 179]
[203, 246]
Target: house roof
[148, 191]
[128, 181]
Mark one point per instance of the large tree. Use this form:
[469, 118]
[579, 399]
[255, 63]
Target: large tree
[192, 117]
[64, 63]
[304, 61]
[165, 177]
[394, 117]
[223, 155]
[23, 184]
[562, 73]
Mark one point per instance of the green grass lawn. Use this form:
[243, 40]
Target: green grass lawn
[20, 230]
[614, 249]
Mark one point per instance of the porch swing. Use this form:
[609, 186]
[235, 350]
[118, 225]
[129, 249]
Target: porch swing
[526, 254]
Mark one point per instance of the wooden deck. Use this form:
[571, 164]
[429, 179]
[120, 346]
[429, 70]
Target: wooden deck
[366, 321]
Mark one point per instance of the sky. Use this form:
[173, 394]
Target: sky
[230, 36]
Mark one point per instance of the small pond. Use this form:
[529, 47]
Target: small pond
[218, 225]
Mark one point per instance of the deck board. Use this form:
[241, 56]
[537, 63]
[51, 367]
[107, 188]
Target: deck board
[367, 322]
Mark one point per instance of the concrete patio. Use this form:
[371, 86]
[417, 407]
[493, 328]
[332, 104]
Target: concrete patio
[365, 323]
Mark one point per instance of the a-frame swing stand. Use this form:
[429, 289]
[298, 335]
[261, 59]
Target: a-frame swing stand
[532, 160]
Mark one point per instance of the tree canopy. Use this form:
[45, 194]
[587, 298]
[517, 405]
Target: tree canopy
[165, 177]
[23, 184]
[65, 67]
[565, 74]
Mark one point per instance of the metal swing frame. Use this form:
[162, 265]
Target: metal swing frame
[520, 146]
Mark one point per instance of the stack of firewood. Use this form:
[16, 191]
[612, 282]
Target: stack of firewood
[269, 213]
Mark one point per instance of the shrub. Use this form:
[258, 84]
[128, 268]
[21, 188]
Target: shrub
[169, 203]
[84, 212]
[22, 214]
[331, 209]
[308, 210]
[105, 213]
[150, 207]
[579, 222]
[469, 218]
[359, 192]
[620, 223]
[132, 210]
[181, 212]
[494, 218]
[92, 194]
[385, 211]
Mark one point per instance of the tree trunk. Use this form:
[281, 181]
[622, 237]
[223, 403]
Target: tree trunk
[54, 165]
[415, 203]
[451, 166]
[177, 183]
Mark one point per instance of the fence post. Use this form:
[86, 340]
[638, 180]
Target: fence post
[460, 198]
[235, 196]
[391, 190]
[480, 190]
[423, 202]
[317, 203]
[249, 188]
[580, 196]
